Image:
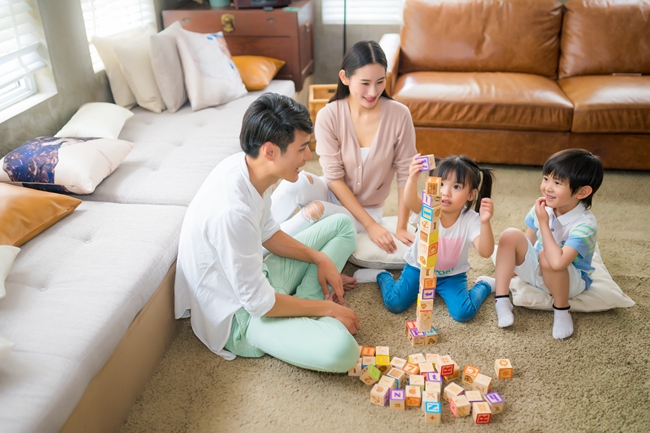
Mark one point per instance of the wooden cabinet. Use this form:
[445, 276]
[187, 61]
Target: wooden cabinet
[281, 33]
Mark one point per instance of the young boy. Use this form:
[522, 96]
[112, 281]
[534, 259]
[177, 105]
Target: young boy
[555, 253]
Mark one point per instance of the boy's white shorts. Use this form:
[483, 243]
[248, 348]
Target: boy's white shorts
[530, 272]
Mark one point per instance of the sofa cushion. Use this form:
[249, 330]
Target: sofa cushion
[609, 103]
[484, 100]
[623, 47]
[481, 35]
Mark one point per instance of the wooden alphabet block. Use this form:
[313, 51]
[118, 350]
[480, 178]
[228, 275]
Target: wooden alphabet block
[428, 396]
[433, 412]
[433, 387]
[431, 336]
[370, 375]
[433, 185]
[388, 382]
[428, 162]
[382, 350]
[424, 320]
[445, 365]
[427, 199]
[430, 237]
[397, 399]
[379, 395]
[426, 367]
[417, 380]
[416, 358]
[495, 401]
[426, 213]
[410, 324]
[367, 351]
[474, 396]
[398, 362]
[428, 278]
[411, 368]
[433, 376]
[452, 390]
[367, 360]
[469, 374]
[417, 338]
[453, 376]
[503, 369]
[459, 406]
[413, 396]
[356, 370]
[428, 226]
[383, 363]
[427, 294]
[424, 305]
[431, 357]
[398, 375]
[481, 413]
[482, 383]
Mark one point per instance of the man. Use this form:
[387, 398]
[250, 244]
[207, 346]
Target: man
[241, 304]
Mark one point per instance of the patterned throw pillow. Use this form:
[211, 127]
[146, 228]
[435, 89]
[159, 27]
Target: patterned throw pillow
[63, 164]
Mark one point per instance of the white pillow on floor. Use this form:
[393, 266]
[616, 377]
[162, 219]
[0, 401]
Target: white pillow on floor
[603, 294]
[369, 255]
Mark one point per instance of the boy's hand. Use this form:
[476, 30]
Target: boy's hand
[540, 211]
[486, 210]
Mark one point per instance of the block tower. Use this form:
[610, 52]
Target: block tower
[422, 332]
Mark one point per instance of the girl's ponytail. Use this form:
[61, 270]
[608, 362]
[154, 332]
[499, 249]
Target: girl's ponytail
[485, 190]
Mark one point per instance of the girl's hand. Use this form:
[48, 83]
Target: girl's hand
[405, 237]
[382, 238]
[540, 211]
[486, 210]
[415, 167]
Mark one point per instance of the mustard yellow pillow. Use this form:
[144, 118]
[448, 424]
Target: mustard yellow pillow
[26, 212]
[257, 71]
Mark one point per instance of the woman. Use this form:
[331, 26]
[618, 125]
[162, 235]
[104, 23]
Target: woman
[363, 138]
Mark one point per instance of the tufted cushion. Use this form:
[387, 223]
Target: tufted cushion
[25, 212]
[369, 255]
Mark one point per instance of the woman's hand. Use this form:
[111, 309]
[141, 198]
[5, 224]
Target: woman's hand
[382, 238]
[405, 236]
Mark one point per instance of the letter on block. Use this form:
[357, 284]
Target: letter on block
[455, 375]
[428, 162]
[379, 395]
[367, 351]
[459, 406]
[426, 213]
[428, 294]
[389, 382]
[503, 369]
[433, 185]
[398, 375]
[397, 399]
[495, 401]
[453, 390]
[381, 350]
[481, 413]
[413, 396]
[398, 362]
[370, 375]
[383, 363]
[427, 199]
[469, 374]
[356, 370]
[417, 380]
[445, 366]
[411, 368]
[482, 383]
[433, 412]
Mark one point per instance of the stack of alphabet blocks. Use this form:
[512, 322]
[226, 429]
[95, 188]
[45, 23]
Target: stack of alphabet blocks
[418, 382]
[424, 333]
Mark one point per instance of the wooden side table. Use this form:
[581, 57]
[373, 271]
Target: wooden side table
[281, 33]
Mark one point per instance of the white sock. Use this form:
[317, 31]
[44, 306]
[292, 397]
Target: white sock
[562, 324]
[491, 281]
[504, 312]
[367, 275]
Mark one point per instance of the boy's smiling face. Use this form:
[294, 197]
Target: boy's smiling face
[557, 194]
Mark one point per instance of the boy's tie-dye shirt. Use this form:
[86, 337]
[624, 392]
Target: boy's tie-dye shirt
[576, 229]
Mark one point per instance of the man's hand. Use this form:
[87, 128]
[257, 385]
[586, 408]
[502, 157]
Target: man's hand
[540, 211]
[346, 316]
[382, 238]
[328, 274]
[404, 236]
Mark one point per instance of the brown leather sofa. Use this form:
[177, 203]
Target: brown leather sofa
[513, 81]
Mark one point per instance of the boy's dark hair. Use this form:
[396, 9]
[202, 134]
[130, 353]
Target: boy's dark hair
[361, 54]
[275, 118]
[468, 173]
[577, 166]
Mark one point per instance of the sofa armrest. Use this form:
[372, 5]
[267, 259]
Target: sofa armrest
[390, 43]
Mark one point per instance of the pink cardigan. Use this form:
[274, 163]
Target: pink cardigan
[392, 150]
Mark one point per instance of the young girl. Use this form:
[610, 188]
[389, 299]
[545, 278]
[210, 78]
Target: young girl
[463, 184]
[364, 138]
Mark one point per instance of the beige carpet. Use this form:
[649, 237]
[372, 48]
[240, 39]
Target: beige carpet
[597, 380]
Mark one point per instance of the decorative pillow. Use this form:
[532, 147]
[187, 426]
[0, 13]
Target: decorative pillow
[167, 67]
[24, 212]
[7, 255]
[106, 48]
[369, 255]
[135, 60]
[603, 294]
[96, 119]
[211, 77]
[257, 71]
[63, 164]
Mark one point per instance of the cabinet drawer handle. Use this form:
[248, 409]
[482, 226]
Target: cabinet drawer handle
[270, 20]
[187, 20]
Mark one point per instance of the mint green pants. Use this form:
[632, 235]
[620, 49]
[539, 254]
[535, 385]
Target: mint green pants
[319, 343]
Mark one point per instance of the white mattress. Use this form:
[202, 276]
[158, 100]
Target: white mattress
[71, 295]
[175, 152]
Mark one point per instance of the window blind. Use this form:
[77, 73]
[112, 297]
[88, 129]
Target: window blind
[363, 11]
[109, 17]
[20, 43]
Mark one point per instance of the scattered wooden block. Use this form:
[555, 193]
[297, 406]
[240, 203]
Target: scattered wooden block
[382, 350]
[482, 383]
[379, 395]
[433, 412]
[367, 360]
[453, 390]
[445, 365]
[356, 370]
[416, 358]
[503, 369]
[469, 374]
[426, 367]
[398, 375]
[397, 399]
[459, 406]
[382, 362]
[370, 375]
[367, 351]
[429, 396]
[455, 375]
[481, 413]
[495, 401]
[413, 396]
[417, 380]
[411, 368]
[474, 396]
[388, 382]
[398, 362]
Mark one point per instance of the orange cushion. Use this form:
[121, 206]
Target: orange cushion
[26, 212]
[257, 71]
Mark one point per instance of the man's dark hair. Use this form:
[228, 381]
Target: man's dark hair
[275, 118]
[578, 167]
